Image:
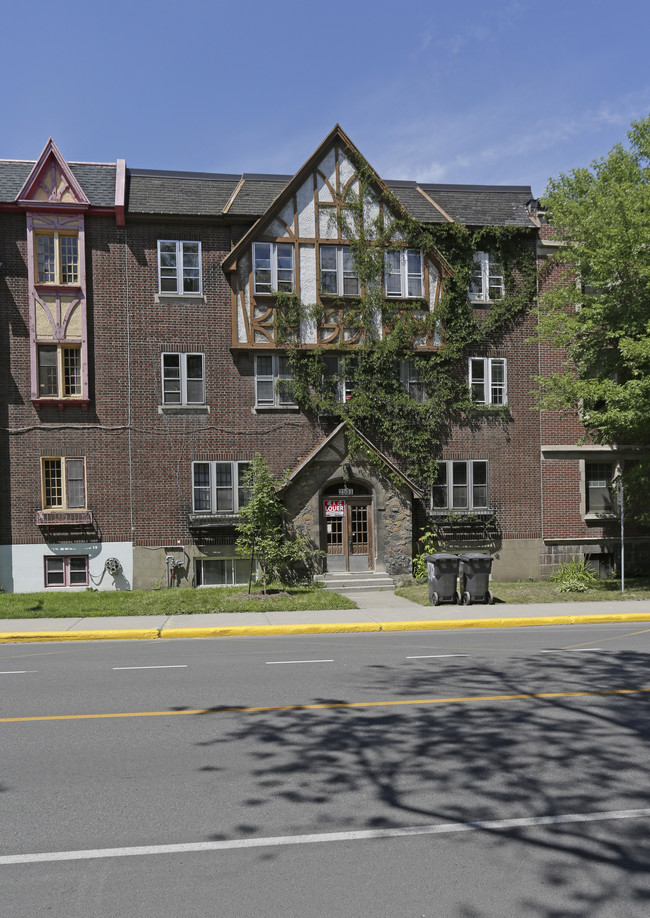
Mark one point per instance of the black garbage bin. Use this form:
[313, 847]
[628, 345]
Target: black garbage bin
[475, 567]
[442, 573]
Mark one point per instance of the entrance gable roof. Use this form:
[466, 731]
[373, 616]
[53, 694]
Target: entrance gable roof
[51, 181]
[324, 444]
[336, 135]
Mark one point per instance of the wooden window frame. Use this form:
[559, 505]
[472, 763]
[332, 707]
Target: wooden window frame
[339, 272]
[61, 371]
[64, 479]
[484, 390]
[404, 274]
[275, 284]
[56, 235]
[483, 279]
[280, 398]
[447, 483]
[66, 571]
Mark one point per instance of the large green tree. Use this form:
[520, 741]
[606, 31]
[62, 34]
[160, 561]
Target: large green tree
[599, 308]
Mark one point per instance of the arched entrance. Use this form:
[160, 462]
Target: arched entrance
[347, 526]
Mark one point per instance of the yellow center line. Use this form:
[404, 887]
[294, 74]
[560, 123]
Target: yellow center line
[529, 696]
[616, 637]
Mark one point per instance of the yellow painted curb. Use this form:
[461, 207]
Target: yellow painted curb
[122, 634]
[328, 628]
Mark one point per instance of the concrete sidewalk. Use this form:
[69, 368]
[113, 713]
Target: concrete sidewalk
[377, 611]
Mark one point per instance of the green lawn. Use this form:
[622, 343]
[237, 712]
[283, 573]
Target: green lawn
[543, 591]
[89, 604]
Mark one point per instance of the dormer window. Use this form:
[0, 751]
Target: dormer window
[57, 258]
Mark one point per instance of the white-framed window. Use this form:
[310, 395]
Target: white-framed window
[488, 380]
[67, 570]
[410, 379]
[63, 483]
[338, 274]
[57, 257]
[218, 487]
[179, 266]
[272, 372]
[59, 371]
[461, 485]
[273, 267]
[183, 379]
[404, 274]
[487, 278]
[340, 370]
[599, 491]
[221, 571]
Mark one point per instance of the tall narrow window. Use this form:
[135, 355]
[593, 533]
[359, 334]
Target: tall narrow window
[487, 278]
[488, 380]
[598, 478]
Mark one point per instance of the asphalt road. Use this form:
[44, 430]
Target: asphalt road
[474, 773]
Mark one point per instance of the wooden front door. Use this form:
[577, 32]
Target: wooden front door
[349, 537]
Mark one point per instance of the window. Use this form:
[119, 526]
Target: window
[403, 273]
[338, 274]
[599, 494]
[410, 379]
[488, 380]
[222, 571]
[179, 266]
[340, 371]
[271, 373]
[64, 483]
[59, 371]
[57, 258]
[487, 278]
[273, 266]
[183, 379]
[218, 487]
[461, 486]
[66, 571]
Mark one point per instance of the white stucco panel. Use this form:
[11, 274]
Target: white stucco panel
[287, 215]
[327, 166]
[278, 229]
[323, 191]
[22, 566]
[434, 280]
[346, 170]
[305, 205]
[328, 223]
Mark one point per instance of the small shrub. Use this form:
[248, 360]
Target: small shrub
[574, 577]
[427, 545]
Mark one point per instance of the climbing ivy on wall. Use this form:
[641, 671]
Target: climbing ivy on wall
[409, 431]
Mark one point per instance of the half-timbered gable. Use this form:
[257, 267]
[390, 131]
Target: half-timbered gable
[308, 244]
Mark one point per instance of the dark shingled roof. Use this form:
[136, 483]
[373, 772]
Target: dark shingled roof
[483, 205]
[96, 179]
[414, 202]
[151, 191]
[257, 193]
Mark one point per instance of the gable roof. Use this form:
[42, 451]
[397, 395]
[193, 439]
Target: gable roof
[342, 428]
[51, 156]
[336, 135]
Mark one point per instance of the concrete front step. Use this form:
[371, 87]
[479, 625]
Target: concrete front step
[346, 583]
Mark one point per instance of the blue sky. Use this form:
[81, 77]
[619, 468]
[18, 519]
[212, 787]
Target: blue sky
[468, 91]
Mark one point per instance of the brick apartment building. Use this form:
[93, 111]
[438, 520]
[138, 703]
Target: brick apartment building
[141, 367]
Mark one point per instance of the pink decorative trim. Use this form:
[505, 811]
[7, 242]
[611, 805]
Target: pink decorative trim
[51, 155]
[120, 191]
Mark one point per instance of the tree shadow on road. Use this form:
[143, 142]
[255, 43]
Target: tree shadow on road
[472, 760]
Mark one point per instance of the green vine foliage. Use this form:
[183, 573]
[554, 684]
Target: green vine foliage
[410, 431]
